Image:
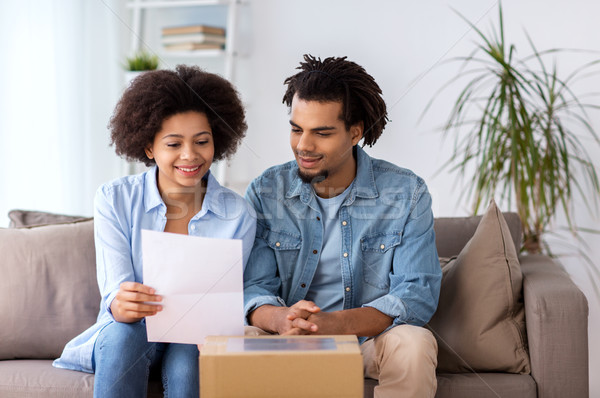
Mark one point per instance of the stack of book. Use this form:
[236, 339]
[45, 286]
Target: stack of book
[193, 37]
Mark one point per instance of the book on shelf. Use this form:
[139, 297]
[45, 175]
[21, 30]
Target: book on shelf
[187, 29]
[190, 46]
[193, 38]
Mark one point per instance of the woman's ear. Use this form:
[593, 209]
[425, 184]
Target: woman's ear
[356, 132]
[149, 153]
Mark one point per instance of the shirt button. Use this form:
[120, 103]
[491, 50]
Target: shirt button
[318, 218]
[344, 223]
[345, 254]
[315, 251]
[348, 289]
[382, 247]
[303, 285]
[193, 227]
[277, 244]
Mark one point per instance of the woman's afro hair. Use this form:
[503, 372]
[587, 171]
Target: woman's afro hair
[157, 95]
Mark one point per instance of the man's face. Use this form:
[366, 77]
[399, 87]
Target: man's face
[322, 145]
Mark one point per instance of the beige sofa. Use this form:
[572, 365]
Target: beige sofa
[48, 294]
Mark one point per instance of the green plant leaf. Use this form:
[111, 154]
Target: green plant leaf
[521, 133]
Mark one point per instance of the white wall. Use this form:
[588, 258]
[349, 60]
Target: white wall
[59, 80]
[398, 42]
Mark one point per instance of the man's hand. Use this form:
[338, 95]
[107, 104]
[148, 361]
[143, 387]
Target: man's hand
[131, 302]
[363, 321]
[321, 323]
[297, 318]
[280, 320]
[305, 317]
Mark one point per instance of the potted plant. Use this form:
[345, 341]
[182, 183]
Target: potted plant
[523, 134]
[138, 63]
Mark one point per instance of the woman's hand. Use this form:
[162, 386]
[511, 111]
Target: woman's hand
[132, 302]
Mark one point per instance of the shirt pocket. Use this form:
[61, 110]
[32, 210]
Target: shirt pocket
[377, 252]
[286, 247]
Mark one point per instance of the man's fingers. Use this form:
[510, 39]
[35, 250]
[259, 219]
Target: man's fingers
[302, 309]
[294, 332]
[305, 305]
[303, 324]
[294, 314]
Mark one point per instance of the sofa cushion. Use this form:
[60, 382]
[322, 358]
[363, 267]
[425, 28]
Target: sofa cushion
[37, 378]
[30, 218]
[48, 289]
[479, 323]
[453, 233]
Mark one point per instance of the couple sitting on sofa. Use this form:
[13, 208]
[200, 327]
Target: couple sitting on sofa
[335, 242]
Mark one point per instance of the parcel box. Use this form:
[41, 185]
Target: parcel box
[281, 366]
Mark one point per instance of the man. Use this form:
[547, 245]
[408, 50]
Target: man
[344, 242]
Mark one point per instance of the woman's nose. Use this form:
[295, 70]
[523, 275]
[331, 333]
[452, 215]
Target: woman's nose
[188, 152]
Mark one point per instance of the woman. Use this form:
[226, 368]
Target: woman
[179, 122]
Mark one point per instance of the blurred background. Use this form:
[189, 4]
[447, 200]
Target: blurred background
[62, 72]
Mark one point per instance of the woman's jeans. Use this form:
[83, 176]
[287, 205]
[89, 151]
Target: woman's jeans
[123, 358]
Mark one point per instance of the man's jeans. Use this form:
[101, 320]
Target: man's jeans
[123, 358]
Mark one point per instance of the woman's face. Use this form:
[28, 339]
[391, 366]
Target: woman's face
[183, 151]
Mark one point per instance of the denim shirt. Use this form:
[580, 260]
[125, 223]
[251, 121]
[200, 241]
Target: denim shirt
[388, 253]
[122, 208]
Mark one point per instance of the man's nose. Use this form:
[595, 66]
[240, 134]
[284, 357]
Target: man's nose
[305, 143]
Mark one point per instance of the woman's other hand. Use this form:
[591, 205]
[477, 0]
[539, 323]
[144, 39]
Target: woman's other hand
[133, 302]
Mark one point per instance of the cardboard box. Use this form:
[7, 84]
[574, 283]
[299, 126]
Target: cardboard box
[281, 367]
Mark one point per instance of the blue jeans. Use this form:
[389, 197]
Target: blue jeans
[123, 358]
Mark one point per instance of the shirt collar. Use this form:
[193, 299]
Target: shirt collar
[364, 182]
[211, 203]
[152, 197]
[213, 198]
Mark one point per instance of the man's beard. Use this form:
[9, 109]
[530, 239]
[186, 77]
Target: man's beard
[313, 178]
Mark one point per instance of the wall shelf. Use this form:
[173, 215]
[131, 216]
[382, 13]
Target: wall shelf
[175, 3]
[193, 54]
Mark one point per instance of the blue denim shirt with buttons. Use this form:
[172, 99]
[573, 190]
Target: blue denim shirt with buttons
[388, 253]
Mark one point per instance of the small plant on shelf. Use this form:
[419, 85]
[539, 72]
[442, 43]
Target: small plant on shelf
[141, 61]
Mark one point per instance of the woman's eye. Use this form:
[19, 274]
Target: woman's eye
[173, 145]
[202, 142]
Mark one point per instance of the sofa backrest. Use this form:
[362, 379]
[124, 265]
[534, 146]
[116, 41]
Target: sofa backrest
[48, 290]
[453, 233]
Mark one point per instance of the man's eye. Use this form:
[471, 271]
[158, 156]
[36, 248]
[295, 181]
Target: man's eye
[296, 131]
[323, 134]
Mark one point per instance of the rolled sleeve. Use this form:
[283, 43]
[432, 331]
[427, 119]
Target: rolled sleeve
[261, 281]
[113, 248]
[416, 273]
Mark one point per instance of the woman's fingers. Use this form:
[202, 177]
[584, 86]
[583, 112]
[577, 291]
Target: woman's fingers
[133, 291]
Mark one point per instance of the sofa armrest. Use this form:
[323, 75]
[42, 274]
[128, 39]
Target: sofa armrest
[556, 313]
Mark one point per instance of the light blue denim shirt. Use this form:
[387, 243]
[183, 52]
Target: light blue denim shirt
[123, 208]
[388, 253]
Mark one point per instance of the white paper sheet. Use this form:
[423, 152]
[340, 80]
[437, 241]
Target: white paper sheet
[200, 280]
